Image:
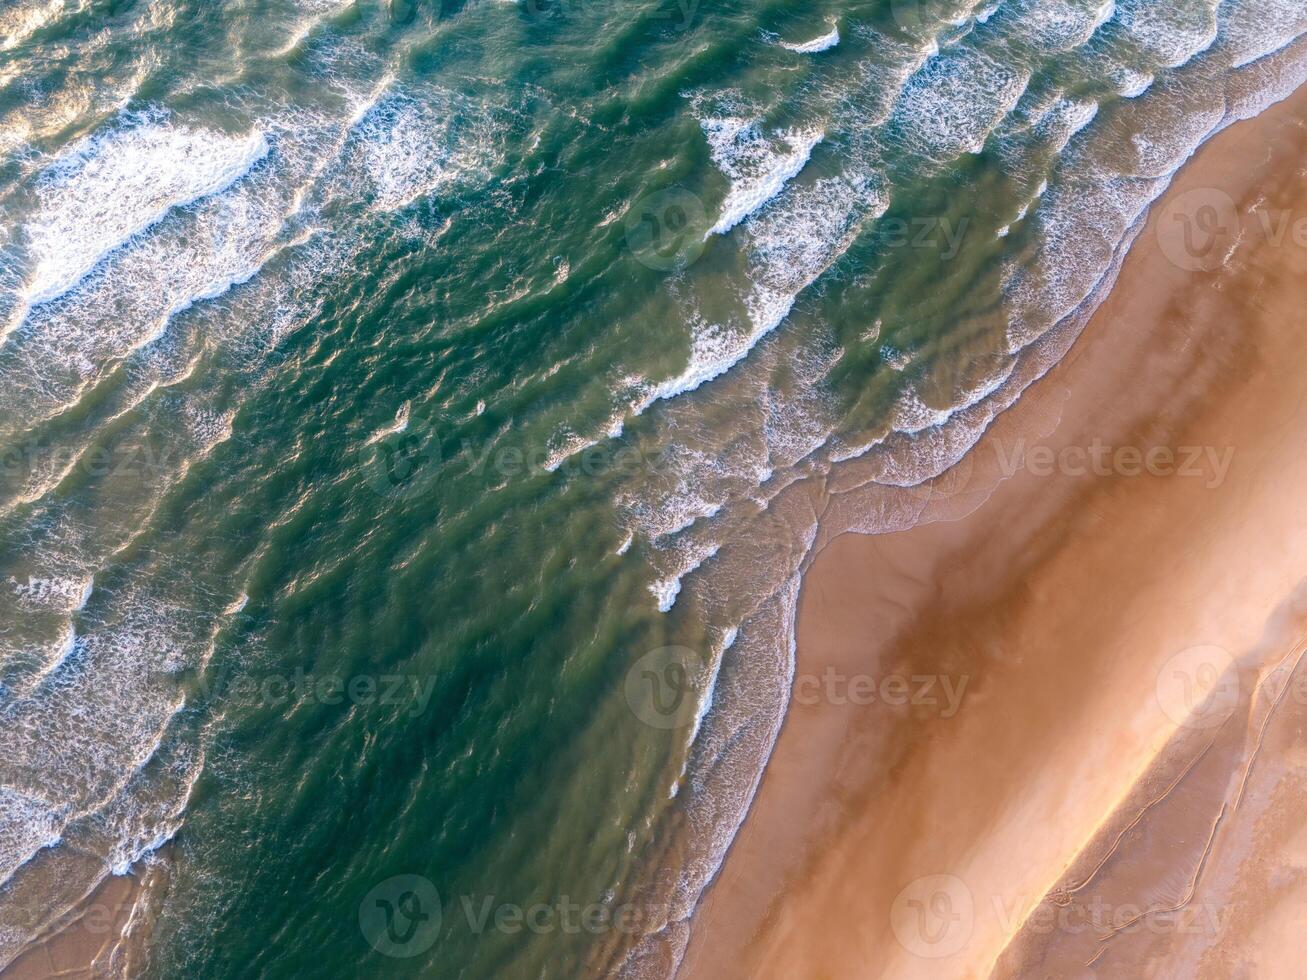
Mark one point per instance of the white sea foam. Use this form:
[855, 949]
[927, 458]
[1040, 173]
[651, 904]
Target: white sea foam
[188, 258]
[20, 19]
[665, 590]
[412, 145]
[565, 444]
[92, 733]
[705, 705]
[1253, 29]
[1064, 120]
[63, 650]
[106, 188]
[790, 243]
[27, 825]
[911, 415]
[56, 592]
[1172, 33]
[1136, 85]
[897, 359]
[757, 165]
[1087, 218]
[1059, 25]
[85, 733]
[394, 428]
[823, 42]
[950, 106]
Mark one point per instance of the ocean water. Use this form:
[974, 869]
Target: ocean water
[414, 418]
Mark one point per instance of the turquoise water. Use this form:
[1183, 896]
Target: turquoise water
[415, 417]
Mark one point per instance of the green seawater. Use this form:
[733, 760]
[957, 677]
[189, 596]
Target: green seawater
[415, 416]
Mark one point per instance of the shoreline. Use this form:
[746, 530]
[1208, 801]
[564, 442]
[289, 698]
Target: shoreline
[893, 586]
[104, 933]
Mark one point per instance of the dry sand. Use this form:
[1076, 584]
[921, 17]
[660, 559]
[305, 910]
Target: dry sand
[1012, 771]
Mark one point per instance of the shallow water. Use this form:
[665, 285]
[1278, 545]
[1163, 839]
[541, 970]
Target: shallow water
[414, 418]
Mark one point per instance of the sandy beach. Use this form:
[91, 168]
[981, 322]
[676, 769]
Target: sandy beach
[1060, 736]
[102, 935]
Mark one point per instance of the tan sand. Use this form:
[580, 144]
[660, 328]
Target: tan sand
[1025, 779]
[104, 935]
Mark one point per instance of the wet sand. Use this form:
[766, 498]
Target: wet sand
[1062, 734]
[104, 935]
